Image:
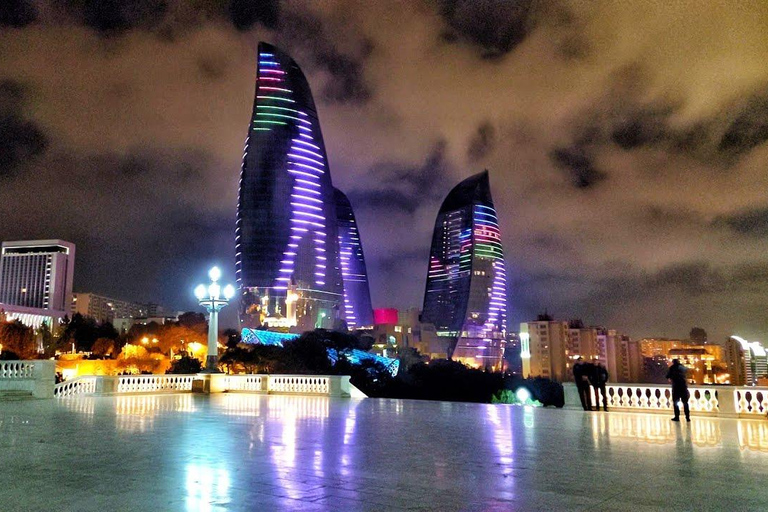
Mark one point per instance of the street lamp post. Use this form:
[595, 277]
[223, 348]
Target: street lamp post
[213, 301]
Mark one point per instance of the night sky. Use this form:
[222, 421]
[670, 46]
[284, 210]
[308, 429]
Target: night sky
[627, 143]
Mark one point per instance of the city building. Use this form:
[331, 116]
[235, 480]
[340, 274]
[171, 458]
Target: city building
[36, 280]
[287, 239]
[466, 291]
[651, 347]
[543, 349]
[747, 361]
[549, 348]
[123, 325]
[105, 309]
[583, 342]
[357, 311]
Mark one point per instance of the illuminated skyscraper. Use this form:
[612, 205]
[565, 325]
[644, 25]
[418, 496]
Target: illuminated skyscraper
[466, 292]
[357, 310]
[287, 260]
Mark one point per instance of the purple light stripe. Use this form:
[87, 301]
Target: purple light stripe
[294, 171]
[306, 158]
[308, 190]
[308, 151]
[314, 200]
[307, 166]
[300, 205]
[299, 141]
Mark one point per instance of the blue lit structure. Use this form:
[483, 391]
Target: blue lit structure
[466, 290]
[354, 356]
[260, 337]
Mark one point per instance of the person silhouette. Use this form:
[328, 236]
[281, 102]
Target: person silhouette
[676, 375]
[598, 378]
[581, 372]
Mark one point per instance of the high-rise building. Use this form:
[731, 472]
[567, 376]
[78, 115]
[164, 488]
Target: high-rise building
[105, 309]
[543, 347]
[466, 291]
[36, 279]
[287, 250]
[357, 310]
[747, 361]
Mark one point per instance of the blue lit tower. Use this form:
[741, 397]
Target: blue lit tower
[287, 264]
[466, 292]
[357, 310]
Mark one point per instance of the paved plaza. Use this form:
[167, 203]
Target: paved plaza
[253, 452]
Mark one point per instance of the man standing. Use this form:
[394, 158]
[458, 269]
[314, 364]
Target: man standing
[581, 375]
[598, 377]
[676, 375]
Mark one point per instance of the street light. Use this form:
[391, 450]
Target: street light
[213, 301]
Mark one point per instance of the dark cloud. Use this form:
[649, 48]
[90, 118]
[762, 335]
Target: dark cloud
[750, 127]
[482, 142]
[21, 139]
[405, 188]
[306, 31]
[495, 26]
[578, 167]
[110, 17]
[247, 13]
[17, 13]
[752, 222]
[645, 127]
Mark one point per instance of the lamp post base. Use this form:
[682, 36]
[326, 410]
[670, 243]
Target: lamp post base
[211, 365]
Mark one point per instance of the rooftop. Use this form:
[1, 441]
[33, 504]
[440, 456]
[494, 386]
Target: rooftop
[257, 452]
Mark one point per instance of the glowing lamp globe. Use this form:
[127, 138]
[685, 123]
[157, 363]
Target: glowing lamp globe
[214, 274]
[523, 395]
[200, 292]
[229, 291]
[214, 290]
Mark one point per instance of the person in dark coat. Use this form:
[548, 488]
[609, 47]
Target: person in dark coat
[581, 372]
[676, 376]
[598, 377]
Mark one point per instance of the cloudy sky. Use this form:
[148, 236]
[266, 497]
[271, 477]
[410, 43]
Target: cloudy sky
[627, 143]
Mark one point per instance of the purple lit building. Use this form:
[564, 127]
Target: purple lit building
[466, 292]
[357, 310]
[287, 241]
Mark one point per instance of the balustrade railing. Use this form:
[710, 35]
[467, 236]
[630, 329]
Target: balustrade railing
[250, 383]
[305, 384]
[334, 385]
[76, 386]
[152, 383]
[728, 401]
[751, 400]
[17, 369]
[650, 397]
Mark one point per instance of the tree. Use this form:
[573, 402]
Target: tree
[698, 335]
[193, 320]
[19, 339]
[231, 337]
[103, 347]
[47, 339]
[185, 365]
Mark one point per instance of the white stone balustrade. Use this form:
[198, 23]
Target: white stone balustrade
[248, 383]
[37, 378]
[153, 383]
[726, 401]
[76, 386]
[320, 385]
[303, 384]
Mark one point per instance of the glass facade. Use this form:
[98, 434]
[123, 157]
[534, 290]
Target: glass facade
[287, 257]
[466, 292]
[357, 310]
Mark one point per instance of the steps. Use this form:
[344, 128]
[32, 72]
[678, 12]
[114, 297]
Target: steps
[11, 395]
